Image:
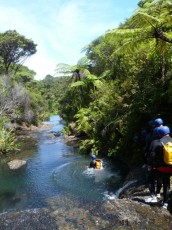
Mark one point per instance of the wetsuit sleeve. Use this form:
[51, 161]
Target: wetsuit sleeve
[91, 164]
[155, 152]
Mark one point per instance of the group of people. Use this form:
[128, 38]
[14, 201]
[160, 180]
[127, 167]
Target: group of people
[158, 171]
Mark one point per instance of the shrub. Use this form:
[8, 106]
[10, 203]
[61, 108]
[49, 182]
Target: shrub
[7, 141]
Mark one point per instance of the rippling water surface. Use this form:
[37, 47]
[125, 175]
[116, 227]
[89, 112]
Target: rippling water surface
[55, 170]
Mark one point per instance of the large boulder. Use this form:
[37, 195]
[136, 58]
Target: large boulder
[16, 164]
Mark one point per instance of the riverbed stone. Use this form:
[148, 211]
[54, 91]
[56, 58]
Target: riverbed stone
[16, 164]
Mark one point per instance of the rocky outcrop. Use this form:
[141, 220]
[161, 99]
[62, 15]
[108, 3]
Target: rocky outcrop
[35, 219]
[72, 140]
[139, 191]
[123, 214]
[16, 164]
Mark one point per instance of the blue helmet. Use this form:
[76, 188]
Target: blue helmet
[155, 132]
[163, 130]
[158, 121]
[93, 156]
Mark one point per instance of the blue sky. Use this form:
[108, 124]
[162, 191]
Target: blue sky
[61, 28]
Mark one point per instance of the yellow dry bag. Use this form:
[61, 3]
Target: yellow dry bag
[167, 151]
[98, 164]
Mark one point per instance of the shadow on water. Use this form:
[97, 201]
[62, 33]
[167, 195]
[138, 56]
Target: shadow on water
[55, 170]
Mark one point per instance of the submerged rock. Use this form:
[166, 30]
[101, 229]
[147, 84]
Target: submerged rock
[16, 164]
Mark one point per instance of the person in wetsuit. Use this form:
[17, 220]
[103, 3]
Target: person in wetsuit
[93, 162]
[156, 159]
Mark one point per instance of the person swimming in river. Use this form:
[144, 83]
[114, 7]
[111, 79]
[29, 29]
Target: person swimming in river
[95, 163]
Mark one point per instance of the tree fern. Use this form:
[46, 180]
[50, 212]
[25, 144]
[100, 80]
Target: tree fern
[150, 22]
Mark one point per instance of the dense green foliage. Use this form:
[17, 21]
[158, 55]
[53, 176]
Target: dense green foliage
[7, 138]
[128, 83]
[7, 141]
[23, 100]
[16, 102]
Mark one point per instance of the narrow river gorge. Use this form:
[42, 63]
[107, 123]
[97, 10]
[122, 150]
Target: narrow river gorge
[55, 169]
[56, 190]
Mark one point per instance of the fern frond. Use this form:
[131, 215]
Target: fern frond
[62, 68]
[142, 19]
[77, 84]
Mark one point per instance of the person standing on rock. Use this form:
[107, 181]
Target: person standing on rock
[157, 160]
[154, 179]
[152, 134]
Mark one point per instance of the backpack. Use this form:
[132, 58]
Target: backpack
[167, 153]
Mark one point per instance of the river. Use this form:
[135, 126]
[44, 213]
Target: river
[55, 171]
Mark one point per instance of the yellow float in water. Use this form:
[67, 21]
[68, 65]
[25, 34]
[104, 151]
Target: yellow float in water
[98, 164]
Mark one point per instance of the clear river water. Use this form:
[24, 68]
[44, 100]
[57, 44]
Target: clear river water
[55, 170]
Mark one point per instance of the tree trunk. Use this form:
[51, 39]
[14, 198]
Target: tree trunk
[159, 34]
